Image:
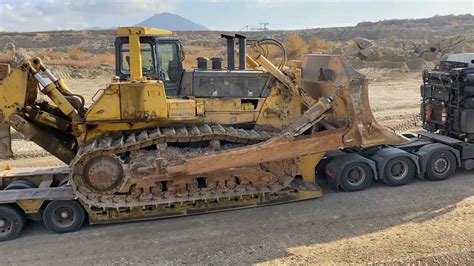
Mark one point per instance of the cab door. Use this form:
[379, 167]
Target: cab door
[170, 67]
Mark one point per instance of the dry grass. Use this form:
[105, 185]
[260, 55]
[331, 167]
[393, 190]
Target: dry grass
[72, 57]
[319, 44]
[76, 57]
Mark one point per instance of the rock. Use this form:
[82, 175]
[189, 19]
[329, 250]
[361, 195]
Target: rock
[350, 51]
[363, 43]
[370, 54]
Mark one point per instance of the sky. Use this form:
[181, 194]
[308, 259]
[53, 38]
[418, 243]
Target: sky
[41, 15]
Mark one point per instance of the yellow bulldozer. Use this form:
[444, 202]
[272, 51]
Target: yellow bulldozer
[162, 141]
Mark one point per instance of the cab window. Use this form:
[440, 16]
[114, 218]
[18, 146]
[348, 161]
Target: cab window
[169, 62]
[147, 59]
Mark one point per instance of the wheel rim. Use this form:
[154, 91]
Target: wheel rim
[441, 165]
[356, 176]
[399, 170]
[63, 217]
[5, 225]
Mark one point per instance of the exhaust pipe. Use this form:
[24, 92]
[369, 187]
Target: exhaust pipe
[242, 50]
[230, 51]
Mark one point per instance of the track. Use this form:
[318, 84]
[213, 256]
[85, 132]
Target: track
[126, 170]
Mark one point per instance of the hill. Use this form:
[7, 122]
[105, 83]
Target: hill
[172, 22]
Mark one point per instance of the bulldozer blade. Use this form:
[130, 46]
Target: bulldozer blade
[331, 75]
[5, 143]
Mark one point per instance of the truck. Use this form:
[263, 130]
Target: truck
[164, 141]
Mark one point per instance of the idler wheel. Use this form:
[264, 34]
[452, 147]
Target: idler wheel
[103, 173]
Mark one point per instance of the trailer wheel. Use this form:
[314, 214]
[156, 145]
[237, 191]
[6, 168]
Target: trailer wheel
[441, 165]
[63, 216]
[399, 171]
[356, 177]
[11, 223]
[20, 184]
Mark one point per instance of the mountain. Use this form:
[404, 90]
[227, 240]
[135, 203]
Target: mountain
[168, 21]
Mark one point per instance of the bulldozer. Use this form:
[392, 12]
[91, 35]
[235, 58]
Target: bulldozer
[161, 140]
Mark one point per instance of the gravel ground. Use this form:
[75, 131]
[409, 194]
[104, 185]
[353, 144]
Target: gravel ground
[427, 222]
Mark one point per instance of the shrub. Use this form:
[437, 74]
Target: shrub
[295, 46]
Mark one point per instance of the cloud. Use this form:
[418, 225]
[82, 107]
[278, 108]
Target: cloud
[37, 15]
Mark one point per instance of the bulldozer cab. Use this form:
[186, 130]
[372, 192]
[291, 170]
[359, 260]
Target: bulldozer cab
[144, 52]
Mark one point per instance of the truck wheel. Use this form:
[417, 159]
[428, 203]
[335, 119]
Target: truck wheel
[63, 216]
[356, 177]
[11, 223]
[441, 165]
[399, 171]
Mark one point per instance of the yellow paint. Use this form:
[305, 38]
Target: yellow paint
[279, 110]
[12, 94]
[230, 105]
[63, 104]
[51, 120]
[136, 72]
[228, 118]
[143, 100]
[200, 107]
[30, 206]
[142, 31]
[307, 166]
[181, 108]
[107, 105]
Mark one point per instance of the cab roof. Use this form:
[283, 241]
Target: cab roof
[142, 31]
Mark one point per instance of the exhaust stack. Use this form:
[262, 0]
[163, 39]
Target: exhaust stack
[230, 51]
[242, 50]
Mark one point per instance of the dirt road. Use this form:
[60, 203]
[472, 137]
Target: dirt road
[431, 222]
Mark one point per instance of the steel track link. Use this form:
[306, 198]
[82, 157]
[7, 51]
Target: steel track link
[134, 141]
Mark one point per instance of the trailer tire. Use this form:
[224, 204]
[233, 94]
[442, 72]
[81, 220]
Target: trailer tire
[399, 171]
[11, 222]
[356, 177]
[19, 184]
[63, 216]
[441, 165]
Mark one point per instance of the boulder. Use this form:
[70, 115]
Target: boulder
[350, 51]
[363, 43]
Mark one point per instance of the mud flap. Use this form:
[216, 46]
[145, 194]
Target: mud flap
[5, 143]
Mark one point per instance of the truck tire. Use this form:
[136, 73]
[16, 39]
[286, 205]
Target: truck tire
[63, 216]
[20, 184]
[399, 171]
[11, 222]
[356, 177]
[441, 165]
